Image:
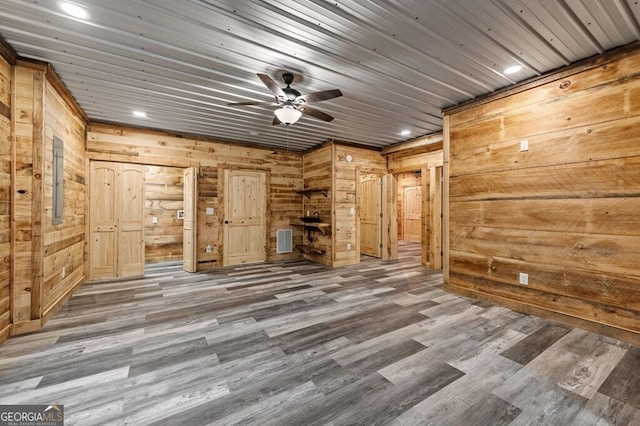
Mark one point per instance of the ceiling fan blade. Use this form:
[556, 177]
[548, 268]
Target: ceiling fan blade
[256, 103]
[276, 121]
[315, 113]
[320, 96]
[272, 85]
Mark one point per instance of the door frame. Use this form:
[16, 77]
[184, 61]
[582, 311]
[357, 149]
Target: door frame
[359, 175]
[432, 201]
[221, 205]
[389, 210]
[436, 199]
[190, 224]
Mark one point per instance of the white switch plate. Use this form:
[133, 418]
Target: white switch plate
[348, 246]
[64, 272]
[352, 211]
[524, 278]
[209, 211]
[154, 219]
[524, 145]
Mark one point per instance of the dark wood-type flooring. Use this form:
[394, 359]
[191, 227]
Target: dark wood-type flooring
[296, 343]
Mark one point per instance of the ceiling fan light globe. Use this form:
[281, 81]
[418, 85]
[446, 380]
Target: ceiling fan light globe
[287, 114]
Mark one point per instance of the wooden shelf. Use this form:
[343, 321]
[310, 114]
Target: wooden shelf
[320, 226]
[307, 249]
[307, 192]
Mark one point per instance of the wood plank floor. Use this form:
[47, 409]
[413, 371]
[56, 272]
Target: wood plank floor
[296, 343]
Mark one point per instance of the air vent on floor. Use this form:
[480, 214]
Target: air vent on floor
[284, 239]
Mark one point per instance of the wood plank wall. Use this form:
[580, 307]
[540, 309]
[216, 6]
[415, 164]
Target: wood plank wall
[209, 233]
[48, 259]
[63, 244]
[209, 226]
[5, 197]
[344, 199]
[123, 144]
[318, 173]
[565, 212]
[163, 198]
[27, 113]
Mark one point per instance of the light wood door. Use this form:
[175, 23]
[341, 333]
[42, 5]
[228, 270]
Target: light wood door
[412, 212]
[131, 220]
[116, 200]
[103, 220]
[189, 238]
[370, 212]
[244, 223]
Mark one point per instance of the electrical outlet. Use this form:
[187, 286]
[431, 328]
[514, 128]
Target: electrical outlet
[63, 273]
[524, 145]
[208, 249]
[209, 211]
[348, 246]
[154, 219]
[524, 278]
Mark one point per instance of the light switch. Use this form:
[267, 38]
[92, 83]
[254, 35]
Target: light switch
[524, 145]
[154, 219]
[209, 211]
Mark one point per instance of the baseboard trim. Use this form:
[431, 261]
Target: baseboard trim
[24, 327]
[55, 307]
[5, 333]
[604, 329]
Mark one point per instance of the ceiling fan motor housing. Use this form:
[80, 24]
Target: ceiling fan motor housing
[291, 93]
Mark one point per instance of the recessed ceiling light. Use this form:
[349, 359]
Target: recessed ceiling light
[513, 69]
[140, 114]
[74, 10]
[405, 132]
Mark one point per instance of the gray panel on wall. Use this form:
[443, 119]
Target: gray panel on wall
[58, 181]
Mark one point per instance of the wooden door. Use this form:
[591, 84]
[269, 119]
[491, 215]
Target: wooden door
[116, 198]
[131, 220]
[370, 212]
[189, 241]
[412, 212]
[103, 220]
[245, 200]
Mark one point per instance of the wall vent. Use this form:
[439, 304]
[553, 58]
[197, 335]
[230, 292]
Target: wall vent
[284, 238]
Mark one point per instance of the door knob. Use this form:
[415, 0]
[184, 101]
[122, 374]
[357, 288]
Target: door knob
[226, 222]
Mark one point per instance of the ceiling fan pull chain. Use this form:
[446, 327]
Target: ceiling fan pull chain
[287, 144]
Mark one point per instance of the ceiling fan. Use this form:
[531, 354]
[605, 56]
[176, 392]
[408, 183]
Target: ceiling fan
[291, 102]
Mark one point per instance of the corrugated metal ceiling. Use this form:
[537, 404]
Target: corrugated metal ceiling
[398, 63]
